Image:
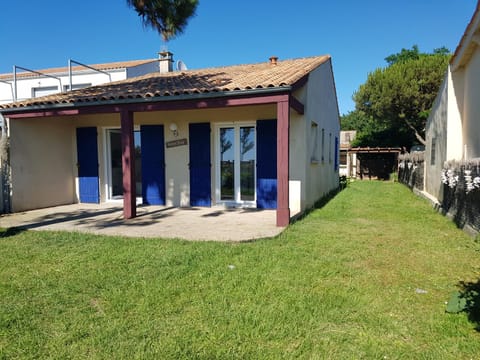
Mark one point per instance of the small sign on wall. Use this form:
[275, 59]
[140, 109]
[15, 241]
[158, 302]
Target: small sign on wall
[175, 143]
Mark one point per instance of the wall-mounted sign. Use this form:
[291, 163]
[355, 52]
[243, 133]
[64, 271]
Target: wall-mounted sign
[175, 143]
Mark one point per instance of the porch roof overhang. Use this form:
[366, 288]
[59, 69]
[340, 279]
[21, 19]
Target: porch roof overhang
[163, 103]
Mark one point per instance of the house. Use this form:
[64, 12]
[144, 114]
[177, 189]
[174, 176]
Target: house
[262, 135]
[453, 128]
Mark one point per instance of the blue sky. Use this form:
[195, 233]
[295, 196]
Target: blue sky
[357, 34]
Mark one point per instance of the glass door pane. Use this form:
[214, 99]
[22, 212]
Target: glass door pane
[227, 163]
[138, 162]
[116, 171]
[247, 163]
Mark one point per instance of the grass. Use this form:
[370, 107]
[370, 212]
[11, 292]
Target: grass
[365, 276]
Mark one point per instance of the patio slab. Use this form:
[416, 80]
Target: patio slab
[215, 223]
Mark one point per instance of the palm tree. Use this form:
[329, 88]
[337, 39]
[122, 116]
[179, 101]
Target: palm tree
[168, 17]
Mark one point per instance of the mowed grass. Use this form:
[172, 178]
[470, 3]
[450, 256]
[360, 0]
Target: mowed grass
[366, 276]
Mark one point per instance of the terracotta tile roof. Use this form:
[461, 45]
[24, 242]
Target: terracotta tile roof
[228, 79]
[62, 70]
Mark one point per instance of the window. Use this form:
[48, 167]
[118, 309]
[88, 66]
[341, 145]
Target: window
[44, 91]
[433, 151]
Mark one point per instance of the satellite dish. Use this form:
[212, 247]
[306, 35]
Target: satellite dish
[181, 66]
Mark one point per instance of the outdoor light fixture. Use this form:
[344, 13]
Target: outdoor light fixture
[174, 129]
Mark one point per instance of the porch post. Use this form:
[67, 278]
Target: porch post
[128, 165]
[283, 147]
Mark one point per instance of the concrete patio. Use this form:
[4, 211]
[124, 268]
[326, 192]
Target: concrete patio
[215, 223]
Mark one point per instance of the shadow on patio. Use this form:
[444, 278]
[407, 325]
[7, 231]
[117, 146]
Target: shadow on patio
[216, 223]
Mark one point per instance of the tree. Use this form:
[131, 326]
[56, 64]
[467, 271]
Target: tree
[400, 96]
[168, 17]
[403, 55]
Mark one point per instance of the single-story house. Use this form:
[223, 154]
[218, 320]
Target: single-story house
[262, 135]
[453, 127]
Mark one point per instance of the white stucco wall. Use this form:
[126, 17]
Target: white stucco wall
[436, 134]
[42, 171]
[321, 108]
[454, 124]
[25, 85]
[471, 128]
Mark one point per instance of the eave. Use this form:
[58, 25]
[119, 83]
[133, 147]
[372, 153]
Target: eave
[181, 102]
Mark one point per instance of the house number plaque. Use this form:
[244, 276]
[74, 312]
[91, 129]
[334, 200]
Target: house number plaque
[175, 143]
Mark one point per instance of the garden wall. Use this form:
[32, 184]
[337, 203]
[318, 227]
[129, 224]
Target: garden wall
[461, 194]
[411, 170]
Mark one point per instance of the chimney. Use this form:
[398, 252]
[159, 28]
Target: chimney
[273, 60]
[165, 61]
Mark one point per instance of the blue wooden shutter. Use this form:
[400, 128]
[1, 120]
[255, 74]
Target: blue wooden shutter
[87, 157]
[200, 166]
[153, 164]
[336, 153]
[267, 164]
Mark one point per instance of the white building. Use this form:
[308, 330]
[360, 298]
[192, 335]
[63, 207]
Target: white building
[23, 83]
[453, 127]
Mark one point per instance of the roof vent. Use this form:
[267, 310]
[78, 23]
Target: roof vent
[273, 60]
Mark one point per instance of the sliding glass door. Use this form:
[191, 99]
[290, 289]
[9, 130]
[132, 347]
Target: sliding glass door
[235, 168]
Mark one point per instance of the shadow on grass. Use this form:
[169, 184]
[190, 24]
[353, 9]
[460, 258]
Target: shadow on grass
[10, 232]
[319, 203]
[470, 294]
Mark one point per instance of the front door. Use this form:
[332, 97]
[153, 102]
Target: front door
[236, 164]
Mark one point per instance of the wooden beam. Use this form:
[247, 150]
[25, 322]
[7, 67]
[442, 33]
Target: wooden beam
[297, 105]
[142, 106]
[283, 129]
[128, 165]
[300, 82]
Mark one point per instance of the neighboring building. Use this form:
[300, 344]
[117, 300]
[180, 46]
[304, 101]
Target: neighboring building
[21, 84]
[348, 159]
[262, 135]
[372, 163]
[453, 127]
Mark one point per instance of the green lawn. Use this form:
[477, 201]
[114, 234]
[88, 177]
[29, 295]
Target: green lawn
[366, 276]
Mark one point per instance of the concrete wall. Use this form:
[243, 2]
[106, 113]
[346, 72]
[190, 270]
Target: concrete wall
[42, 171]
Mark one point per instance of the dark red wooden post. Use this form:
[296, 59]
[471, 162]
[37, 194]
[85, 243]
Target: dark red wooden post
[128, 165]
[283, 125]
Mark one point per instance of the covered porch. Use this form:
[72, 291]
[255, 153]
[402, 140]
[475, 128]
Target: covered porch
[128, 116]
